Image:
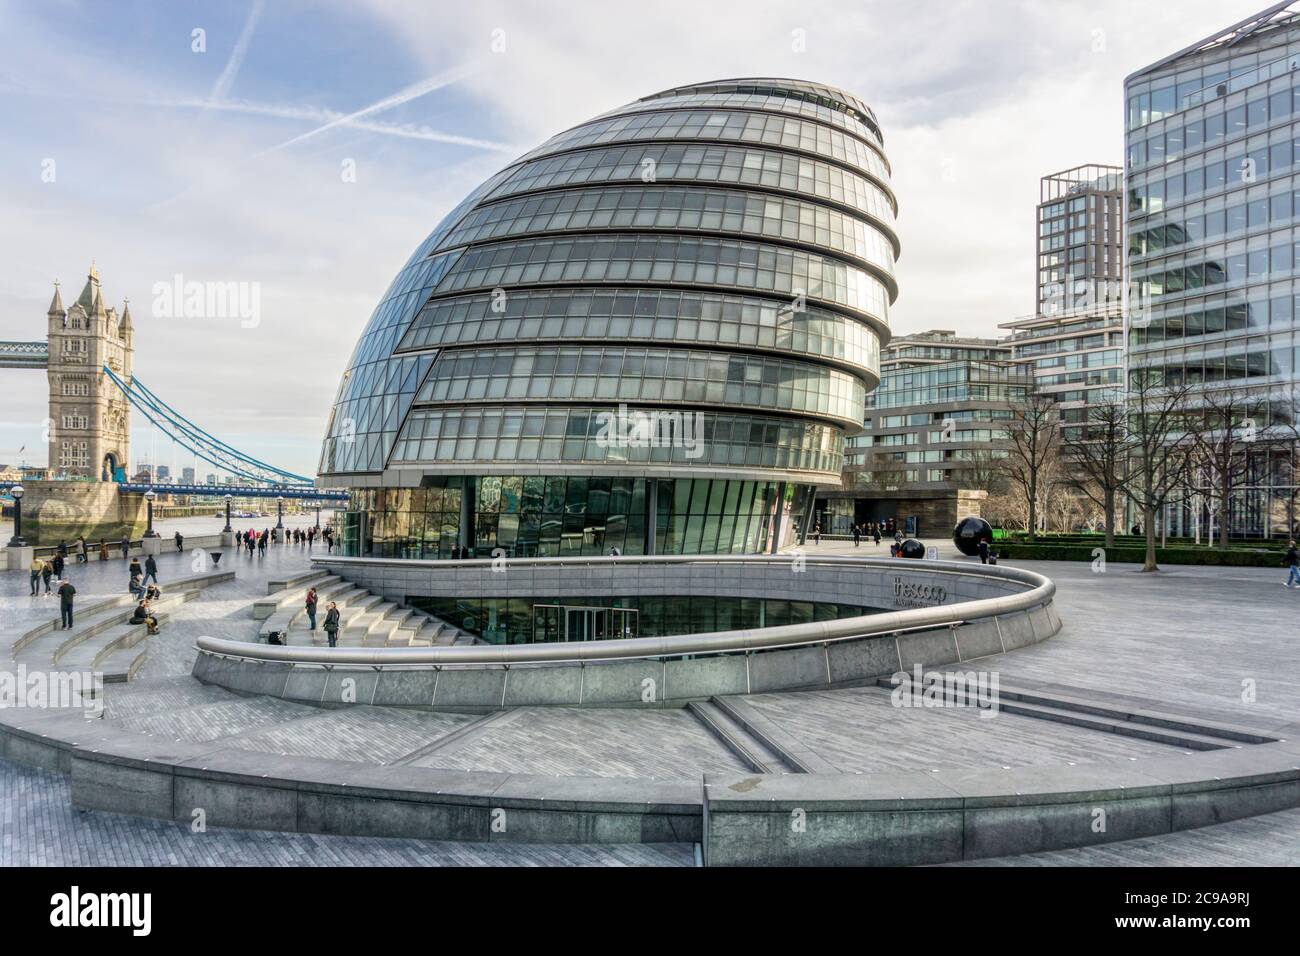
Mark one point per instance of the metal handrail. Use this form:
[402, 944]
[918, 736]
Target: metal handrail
[1039, 590]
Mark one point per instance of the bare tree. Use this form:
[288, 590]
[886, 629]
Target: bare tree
[1101, 456]
[1222, 431]
[982, 469]
[1033, 435]
[1160, 444]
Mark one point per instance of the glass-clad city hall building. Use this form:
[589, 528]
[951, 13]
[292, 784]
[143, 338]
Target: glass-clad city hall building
[650, 333]
[1213, 224]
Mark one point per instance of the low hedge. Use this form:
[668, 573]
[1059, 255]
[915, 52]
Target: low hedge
[1234, 557]
[1138, 541]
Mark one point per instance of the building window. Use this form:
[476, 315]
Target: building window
[74, 455]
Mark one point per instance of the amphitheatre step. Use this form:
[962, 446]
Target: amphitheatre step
[751, 750]
[87, 624]
[84, 648]
[288, 596]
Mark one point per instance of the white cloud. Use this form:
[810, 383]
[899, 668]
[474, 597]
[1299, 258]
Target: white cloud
[998, 93]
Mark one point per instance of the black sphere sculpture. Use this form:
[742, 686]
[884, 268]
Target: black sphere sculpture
[912, 549]
[969, 533]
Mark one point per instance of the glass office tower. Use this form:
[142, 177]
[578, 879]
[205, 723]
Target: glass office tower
[1213, 199]
[651, 333]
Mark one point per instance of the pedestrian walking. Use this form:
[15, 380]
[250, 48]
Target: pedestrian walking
[126, 548]
[984, 551]
[59, 564]
[47, 572]
[83, 556]
[311, 608]
[151, 569]
[332, 624]
[180, 541]
[877, 536]
[857, 536]
[36, 568]
[103, 550]
[66, 591]
[817, 534]
[1292, 562]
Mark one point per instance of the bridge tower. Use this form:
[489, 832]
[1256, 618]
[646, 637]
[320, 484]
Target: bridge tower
[90, 420]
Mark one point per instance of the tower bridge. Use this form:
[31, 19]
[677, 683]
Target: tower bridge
[88, 357]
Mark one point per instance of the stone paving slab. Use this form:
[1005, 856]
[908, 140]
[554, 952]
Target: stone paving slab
[380, 735]
[660, 744]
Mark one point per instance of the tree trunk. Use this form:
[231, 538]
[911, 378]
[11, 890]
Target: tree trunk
[1110, 519]
[1149, 527]
[1033, 511]
[1225, 496]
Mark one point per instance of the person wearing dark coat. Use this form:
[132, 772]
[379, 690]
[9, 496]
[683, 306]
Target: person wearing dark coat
[984, 551]
[66, 592]
[143, 615]
[47, 572]
[332, 624]
[151, 569]
[180, 541]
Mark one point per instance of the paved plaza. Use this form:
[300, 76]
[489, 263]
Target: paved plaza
[1182, 641]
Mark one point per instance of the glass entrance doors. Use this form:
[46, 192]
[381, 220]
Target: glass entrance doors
[566, 622]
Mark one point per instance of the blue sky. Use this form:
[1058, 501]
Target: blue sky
[228, 164]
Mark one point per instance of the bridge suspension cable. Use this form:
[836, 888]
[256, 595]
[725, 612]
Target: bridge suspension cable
[206, 446]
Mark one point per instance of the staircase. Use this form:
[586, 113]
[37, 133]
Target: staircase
[103, 640]
[365, 619]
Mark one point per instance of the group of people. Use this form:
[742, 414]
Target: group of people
[331, 617]
[140, 577]
[870, 529]
[256, 541]
[142, 581]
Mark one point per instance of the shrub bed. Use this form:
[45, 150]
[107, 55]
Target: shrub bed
[1125, 553]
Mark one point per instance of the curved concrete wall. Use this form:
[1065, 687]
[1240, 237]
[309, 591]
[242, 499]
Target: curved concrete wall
[892, 818]
[975, 612]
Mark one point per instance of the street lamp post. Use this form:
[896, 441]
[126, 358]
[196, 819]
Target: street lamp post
[318, 516]
[279, 512]
[149, 496]
[227, 529]
[17, 540]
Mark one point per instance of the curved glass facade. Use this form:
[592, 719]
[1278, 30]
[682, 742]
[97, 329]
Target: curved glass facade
[687, 293]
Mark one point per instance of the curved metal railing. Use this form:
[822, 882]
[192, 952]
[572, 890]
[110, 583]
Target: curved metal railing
[1038, 591]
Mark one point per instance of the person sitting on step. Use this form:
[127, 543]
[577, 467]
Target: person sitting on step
[144, 615]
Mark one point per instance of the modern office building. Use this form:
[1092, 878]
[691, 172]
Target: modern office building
[1080, 220]
[652, 333]
[1077, 358]
[1213, 191]
[933, 432]
[1073, 343]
